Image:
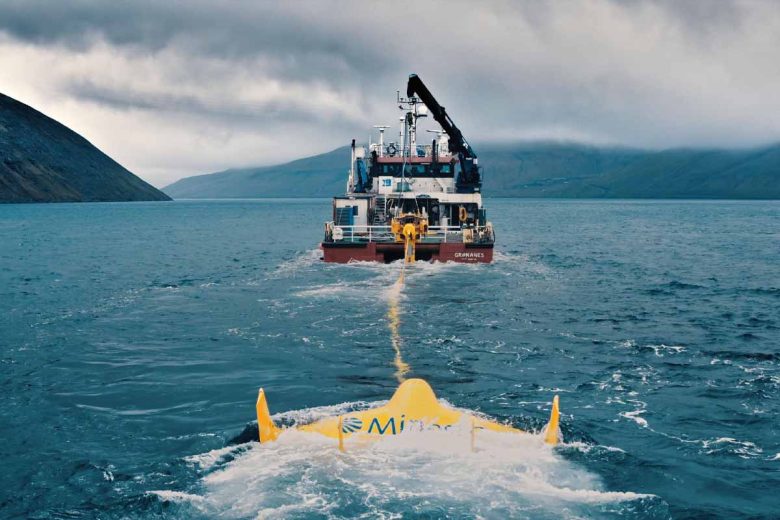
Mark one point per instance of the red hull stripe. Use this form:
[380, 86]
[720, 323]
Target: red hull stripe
[372, 252]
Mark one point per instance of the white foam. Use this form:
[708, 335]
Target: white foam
[661, 350]
[382, 283]
[176, 496]
[211, 458]
[520, 262]
[323, 291]
[309, 415]
[587, 448]
[743, 449]
[301, 262]
[721, 446]
[636, 416]
[304, 473]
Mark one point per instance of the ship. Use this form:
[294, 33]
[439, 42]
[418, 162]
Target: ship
[412, 200]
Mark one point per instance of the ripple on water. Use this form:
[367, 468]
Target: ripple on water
[144, 338]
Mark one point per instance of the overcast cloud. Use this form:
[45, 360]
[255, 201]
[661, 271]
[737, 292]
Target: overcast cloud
[171, 89]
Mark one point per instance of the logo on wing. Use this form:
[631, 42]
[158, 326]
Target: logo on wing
[351, 425]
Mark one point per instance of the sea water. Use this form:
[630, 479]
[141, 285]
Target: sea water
[134, 338]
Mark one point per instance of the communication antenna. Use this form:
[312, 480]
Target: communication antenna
[382, 129]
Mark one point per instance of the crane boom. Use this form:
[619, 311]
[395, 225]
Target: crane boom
[469, 180]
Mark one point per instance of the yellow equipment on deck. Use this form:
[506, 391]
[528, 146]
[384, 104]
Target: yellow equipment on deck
[408, 228]
[413, 407]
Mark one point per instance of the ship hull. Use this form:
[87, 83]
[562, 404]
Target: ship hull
[345, 252]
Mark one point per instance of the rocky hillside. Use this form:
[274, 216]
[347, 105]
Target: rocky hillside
[42, 160]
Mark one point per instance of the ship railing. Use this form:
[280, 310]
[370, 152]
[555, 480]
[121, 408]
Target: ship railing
[360, 233]
[445, 231]
[418, 150]
[367, 233]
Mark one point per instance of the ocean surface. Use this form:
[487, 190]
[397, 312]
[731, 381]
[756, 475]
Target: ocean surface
[134, 338]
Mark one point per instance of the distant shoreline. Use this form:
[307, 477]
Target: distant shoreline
[326, 199]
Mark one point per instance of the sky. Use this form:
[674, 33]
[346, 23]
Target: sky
[171, 89]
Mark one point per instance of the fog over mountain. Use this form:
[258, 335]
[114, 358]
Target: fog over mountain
[171, 89]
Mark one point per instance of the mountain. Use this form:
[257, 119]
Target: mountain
[42, 160]
[533, 170]
[317, 176]
[573, 171]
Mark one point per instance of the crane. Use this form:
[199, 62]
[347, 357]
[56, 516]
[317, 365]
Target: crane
[469, 180]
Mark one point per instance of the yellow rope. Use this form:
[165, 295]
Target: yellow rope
[394, 322]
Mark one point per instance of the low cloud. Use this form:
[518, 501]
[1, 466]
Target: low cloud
[172, 89]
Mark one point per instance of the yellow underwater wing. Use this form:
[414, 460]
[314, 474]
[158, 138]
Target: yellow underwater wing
[413, 407]
[265, 425]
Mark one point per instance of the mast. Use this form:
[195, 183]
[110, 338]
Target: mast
[351, 180]
[382, 129]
